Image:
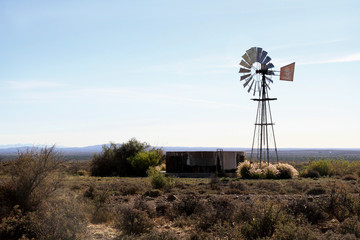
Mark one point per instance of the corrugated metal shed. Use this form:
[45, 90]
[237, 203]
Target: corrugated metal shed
[203, 162]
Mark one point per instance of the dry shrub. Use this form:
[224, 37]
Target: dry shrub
[33, 177]
[36, 214]
[340, 204]
[296, 186]
[16, 225]
[307, 208]
[294, 231]
[219, 210]
[164, 235]
[214, 182]
[188, 205]
[243, 213]
[153, 193]
[350, 225]
[141, 204]
[130, 189]
[98, 198]
[350, 177]
[182, 221]
[272, 186]
[56, 219]
[61, 219]
[310, 173]
[263, 170]
[238, 185]
[132, 221]
[316, 191]
[165, 209]
[264, 221]
[225, 231]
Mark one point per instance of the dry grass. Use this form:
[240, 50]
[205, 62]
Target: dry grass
[223, 208]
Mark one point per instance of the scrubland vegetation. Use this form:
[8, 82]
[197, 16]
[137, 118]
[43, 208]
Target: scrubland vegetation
[123, 193]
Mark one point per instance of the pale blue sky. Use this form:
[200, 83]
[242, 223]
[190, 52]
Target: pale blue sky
[78, 73]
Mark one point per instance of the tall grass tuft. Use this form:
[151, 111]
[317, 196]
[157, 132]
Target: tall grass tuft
[249, 170]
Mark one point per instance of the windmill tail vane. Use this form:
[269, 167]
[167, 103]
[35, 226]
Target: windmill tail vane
[257, 71]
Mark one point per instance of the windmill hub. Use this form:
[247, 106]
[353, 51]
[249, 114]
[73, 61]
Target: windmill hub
[256, 71]
[263, 71]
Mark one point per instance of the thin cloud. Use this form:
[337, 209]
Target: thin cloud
[306, 44]
[148, 95]
[116, 94]
[201, 65]
[348, 58]
[34, 84]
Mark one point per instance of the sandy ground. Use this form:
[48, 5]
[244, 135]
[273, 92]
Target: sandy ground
[101, 231]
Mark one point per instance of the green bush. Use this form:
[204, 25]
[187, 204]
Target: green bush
[339, 167]
[330, 167]
[323, 167]
[145, 159]
[158, 180]
[132, 158]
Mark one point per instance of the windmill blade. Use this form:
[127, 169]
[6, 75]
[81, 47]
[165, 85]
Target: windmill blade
[245, 76]
[267, 59]
[245, 64]
[269, 79]
[270, 73]
[244, 70]
[254, 89]
[263, 67]
[247, 82]
[258, 55]
[252, 54]
[247, 59]
[270, 65]
[252, 83]
[263, 55]
[267, 86]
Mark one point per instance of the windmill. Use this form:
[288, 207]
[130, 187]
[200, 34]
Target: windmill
[257, 71]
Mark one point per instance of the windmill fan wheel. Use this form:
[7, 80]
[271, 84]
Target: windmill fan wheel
[255, 64]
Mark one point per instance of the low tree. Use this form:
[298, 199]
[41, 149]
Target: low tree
[132, 158]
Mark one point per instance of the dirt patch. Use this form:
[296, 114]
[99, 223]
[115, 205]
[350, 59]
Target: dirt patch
[101, 232]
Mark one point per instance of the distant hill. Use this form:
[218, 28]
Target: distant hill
[285, 154]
